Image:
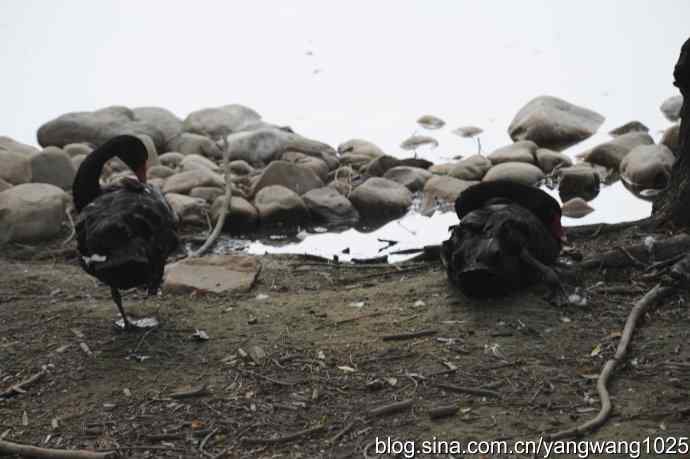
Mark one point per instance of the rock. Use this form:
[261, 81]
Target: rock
[4, 185]
[553, 123]
[76, 149]
[330, 158]
[96, 128]
[296, 178]
[522, 151]
[670, 138]
[576, 208]
[413, 178]
[381, 199]
[240, 167]
[360, 147]
[527, 174]
[671, 108]
[8, 144]
[188, 143]
[648, 167]
[416, 162]
[611, 153]
[416, 141]
[157, 182]
[472, 168]
[578, 181]
[207, 193]
[377, 167]
[214, 274]
[443, 188]
[356, 162]
[53, 166]
[329, 207]
[242, 216]
[195, 161]
[548, 160]
[172, 159]
[631, 126]
[220, 121]
[430, 122]
[318, 166]
[165, 121]
[31, 212]
[160, 172]
[264, 145]
[183, 182]
[15, 168]
[280, 206]
[442, 169]
[77, 160]
[467, 131]
[189, 210]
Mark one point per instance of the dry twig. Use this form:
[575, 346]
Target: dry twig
[10, 448]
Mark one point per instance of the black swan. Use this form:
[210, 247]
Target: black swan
[126, 231]
[507, 237]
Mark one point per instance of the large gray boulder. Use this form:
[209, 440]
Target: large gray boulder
[527, 174]
[329, 207]
[195, 161]
[360, 147]
[553, 123]
[280, 206]
[217, 122]
[413, 178]
[242, 216]
[381, 199]
[15, 168]
[670, 138]
[160, 171]
[207, 193]
[441, 189]
[171, 159]
[8, 144]
[4, 185]
[671, 107]
[162, 119]
[471, 168]
[53, 166]
[184, 181]
[579, 181]
[611, 153]
[317, 165]
[189, 210]
[548, 160]
[77, 149]
[96, 128]
[522, 151]
[648, 167]
[189, 143]
[377, 167]
[261, 146]
[630, 126]
[290, 175]
[240, 168]
[31, 212]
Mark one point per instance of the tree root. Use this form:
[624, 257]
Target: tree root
[647, 301]
[639, 253]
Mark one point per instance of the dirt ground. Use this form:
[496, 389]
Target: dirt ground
[297, 366]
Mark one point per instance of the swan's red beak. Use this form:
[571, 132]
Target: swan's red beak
[141, 173]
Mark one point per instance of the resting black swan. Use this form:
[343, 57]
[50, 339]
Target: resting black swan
[508, 236]
[126, 231]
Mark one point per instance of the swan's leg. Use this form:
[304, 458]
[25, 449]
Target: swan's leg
[548, 275]
[115, 293]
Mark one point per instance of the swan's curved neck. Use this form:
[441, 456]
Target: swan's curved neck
[86, 186]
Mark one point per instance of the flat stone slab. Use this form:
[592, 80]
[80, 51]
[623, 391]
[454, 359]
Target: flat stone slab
[215, 274]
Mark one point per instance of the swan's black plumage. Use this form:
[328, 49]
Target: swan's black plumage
[125, 232]
[507, 237]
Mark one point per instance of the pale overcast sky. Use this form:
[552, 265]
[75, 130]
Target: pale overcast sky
[340, 69]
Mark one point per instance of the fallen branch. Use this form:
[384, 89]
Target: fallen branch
[284, 438]
[198, 391]
[342, 433]
[467, 390]
[7, 448]
[226, 205]
[621, 257]
[409, 335]
[22, 386]
[390, 408]
[443, 411]
[274, 381]
[641, 307]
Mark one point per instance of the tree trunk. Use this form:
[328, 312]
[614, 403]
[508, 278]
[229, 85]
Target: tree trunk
[673, 206]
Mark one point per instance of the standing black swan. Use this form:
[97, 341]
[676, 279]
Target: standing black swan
[126, 231]
[508, 236]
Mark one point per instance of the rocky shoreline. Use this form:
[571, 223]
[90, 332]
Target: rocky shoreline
[283, 180]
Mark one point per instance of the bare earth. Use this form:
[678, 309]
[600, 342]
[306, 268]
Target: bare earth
[294, 367]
